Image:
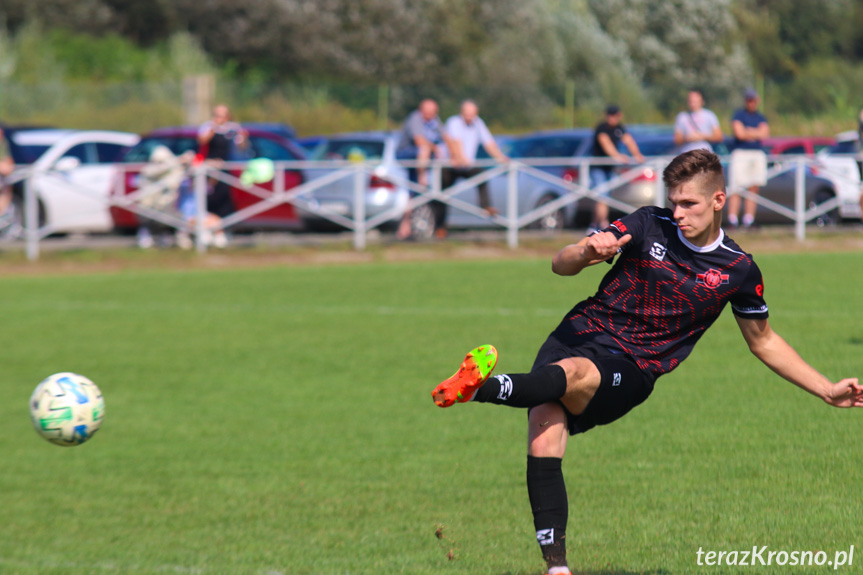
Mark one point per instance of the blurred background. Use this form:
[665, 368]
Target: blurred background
[326, 66]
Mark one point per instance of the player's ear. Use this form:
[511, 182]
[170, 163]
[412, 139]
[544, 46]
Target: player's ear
[719, 198]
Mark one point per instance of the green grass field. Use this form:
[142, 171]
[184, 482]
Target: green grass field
[278, 421]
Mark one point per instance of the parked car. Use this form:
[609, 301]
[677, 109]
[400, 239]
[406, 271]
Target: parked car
[262, 144]
[653, 142]
[834, 177]
[73, 175]
[826, 178]
[797, 145]
[381, 194]
[533, 192]
[310, 144]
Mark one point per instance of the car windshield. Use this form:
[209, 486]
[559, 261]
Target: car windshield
[141, 152]
[349, 150]
[30, 153]
[844, 147]
[262, 147]
[546, 147]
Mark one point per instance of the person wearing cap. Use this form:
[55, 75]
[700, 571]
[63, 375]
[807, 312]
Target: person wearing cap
[696, 128]
[607, 137]
[748, 160]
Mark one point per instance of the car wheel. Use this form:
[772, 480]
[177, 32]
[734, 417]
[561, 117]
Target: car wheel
[551, 222]
[422, 222]
[826, 219]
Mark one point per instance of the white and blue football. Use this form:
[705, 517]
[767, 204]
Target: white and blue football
[67, 409]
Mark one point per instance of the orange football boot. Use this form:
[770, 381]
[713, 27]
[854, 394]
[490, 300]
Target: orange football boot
[473, 372]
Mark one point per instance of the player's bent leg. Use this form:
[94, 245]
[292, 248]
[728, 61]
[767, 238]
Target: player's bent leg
[546, 489]
[582, 381]
[471, 374]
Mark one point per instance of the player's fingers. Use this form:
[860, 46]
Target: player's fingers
[624, 240]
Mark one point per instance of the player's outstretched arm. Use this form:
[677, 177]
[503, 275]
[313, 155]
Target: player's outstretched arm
[589, 251]
[778, 355]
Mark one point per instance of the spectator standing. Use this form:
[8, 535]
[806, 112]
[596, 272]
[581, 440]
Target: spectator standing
[468, 132]
[607, 137]
[422, 138]
[219, 140]
[748, 160]
[7, 166]
[696, 128]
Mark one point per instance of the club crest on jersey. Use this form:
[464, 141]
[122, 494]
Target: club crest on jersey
[658, 251]
[712, 278]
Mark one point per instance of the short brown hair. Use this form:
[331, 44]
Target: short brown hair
[694, 164]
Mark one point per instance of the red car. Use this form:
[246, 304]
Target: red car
[262, 144]
[797, 145]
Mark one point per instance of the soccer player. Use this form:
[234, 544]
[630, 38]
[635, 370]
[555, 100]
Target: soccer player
[674, 273]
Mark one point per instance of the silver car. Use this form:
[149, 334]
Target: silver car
[533, 191]
[337, 198]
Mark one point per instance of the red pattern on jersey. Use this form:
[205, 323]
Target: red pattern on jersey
[655, 311]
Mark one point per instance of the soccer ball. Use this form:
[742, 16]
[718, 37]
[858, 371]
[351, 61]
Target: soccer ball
[67, 409]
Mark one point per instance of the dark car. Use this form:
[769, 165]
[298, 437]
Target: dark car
[533, 192]
[820, 185]
[639, 189]
[263, 143]
[821, 180]
[311, 145]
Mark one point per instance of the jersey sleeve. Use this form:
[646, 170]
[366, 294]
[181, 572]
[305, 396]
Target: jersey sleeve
[632, 224]
[748, 302]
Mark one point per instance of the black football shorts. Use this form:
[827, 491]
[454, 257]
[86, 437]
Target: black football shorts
[622, 387]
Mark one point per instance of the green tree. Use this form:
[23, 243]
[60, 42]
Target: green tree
[679, 44]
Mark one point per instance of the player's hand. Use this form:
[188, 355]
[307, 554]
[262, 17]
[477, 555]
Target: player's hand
[604, 245]
[846, 393]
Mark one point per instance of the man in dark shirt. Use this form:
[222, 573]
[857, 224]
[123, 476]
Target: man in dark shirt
[675, 272]
[748, 160]
[606, 141]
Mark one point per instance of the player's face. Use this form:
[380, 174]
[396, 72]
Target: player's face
[695, 211]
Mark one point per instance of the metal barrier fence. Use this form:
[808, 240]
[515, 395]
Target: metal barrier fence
[557, 174]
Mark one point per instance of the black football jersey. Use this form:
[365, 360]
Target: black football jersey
[663, 292]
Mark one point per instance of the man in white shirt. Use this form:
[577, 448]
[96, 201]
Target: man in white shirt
[468, 132]
[698, 128]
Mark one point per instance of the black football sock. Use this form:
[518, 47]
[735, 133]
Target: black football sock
[548, 502]
[524, 389]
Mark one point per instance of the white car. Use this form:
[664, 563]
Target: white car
[843, 166]
[74, 173]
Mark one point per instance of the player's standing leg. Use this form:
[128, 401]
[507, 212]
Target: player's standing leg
[546, 489]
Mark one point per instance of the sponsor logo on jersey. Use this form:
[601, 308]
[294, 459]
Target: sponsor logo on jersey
[658, 251]
[712, 278]
[545, 536]
[616, 379]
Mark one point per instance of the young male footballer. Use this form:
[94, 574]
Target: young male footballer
[675, 272]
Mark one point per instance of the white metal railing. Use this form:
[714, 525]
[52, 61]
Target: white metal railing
[301, 197]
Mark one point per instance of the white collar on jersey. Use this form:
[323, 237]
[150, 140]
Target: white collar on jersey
[708, 248]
